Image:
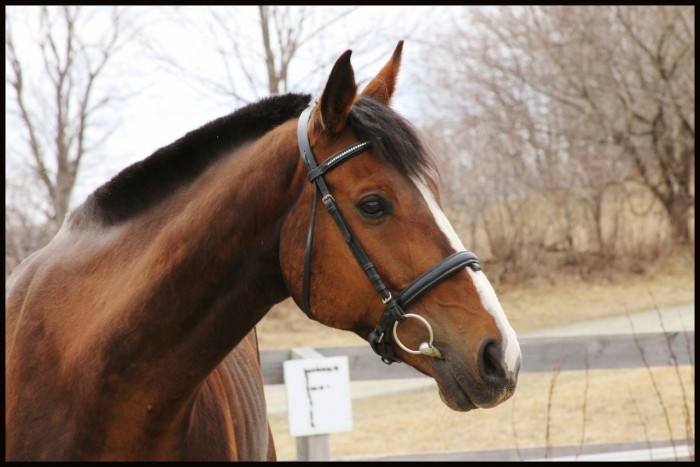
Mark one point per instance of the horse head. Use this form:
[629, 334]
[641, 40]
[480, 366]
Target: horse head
[380, 257]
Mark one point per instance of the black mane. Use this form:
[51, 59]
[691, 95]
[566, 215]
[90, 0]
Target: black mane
[393, 137]
[132, 191]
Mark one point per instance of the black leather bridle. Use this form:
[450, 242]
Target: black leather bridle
[380, 338]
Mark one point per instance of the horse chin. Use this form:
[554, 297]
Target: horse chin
[456, 400]
[452, 393]
[460, 393]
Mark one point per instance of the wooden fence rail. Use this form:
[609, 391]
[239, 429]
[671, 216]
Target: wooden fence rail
[540, 354]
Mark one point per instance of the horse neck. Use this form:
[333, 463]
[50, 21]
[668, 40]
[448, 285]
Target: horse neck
[210, 269]
[151, 306]
[223, 240]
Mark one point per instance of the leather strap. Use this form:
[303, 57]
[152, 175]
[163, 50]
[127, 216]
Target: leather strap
[437, 273]
[338, 158]
[380, 337]
[315, 173]
[305, 292]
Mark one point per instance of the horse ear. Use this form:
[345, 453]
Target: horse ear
[338, 95]
[382, 86]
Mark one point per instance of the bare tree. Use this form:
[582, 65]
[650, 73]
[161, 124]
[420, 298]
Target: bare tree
[26, 229]
[270, 49]
[571, 101]
[654, 89]
[58, 112]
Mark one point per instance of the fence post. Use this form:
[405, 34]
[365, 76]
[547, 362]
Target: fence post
[312, 447]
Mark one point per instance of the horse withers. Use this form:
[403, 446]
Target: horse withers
[130, 336]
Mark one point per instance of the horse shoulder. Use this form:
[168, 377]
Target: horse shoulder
[229, 419]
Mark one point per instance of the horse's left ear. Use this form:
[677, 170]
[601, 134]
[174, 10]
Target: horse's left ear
[382, 86]
[338, 95]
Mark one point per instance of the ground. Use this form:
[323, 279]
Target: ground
[565, 408]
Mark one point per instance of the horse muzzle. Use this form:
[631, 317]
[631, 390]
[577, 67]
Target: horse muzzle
[485, 383]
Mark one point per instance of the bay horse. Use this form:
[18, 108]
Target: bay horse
[131, 335]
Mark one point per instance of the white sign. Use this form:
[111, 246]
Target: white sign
[318, 395]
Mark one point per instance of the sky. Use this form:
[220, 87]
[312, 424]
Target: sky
[163, 106]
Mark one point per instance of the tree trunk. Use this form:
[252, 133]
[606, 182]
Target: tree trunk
[678, 211]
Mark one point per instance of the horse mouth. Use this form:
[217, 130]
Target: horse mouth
[452, 393]
[461, 393]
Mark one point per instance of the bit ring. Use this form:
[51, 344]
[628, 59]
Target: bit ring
[427, 325]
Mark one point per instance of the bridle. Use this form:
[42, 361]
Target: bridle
[380, 339]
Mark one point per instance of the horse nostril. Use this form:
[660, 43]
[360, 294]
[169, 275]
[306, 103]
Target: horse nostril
[491, 364]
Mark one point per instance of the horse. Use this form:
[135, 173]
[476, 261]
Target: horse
[131, 334]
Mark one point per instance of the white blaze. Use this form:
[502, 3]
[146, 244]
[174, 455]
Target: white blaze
[511, 347]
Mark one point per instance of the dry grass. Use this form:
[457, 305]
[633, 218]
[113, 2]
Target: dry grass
[621, 405]
[591, 407]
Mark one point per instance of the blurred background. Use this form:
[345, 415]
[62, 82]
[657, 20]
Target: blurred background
[565, 135]
[565, 138]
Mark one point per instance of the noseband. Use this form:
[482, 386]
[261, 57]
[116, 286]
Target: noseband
[381, 337]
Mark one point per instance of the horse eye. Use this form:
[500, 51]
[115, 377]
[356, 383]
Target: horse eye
[372, 207]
